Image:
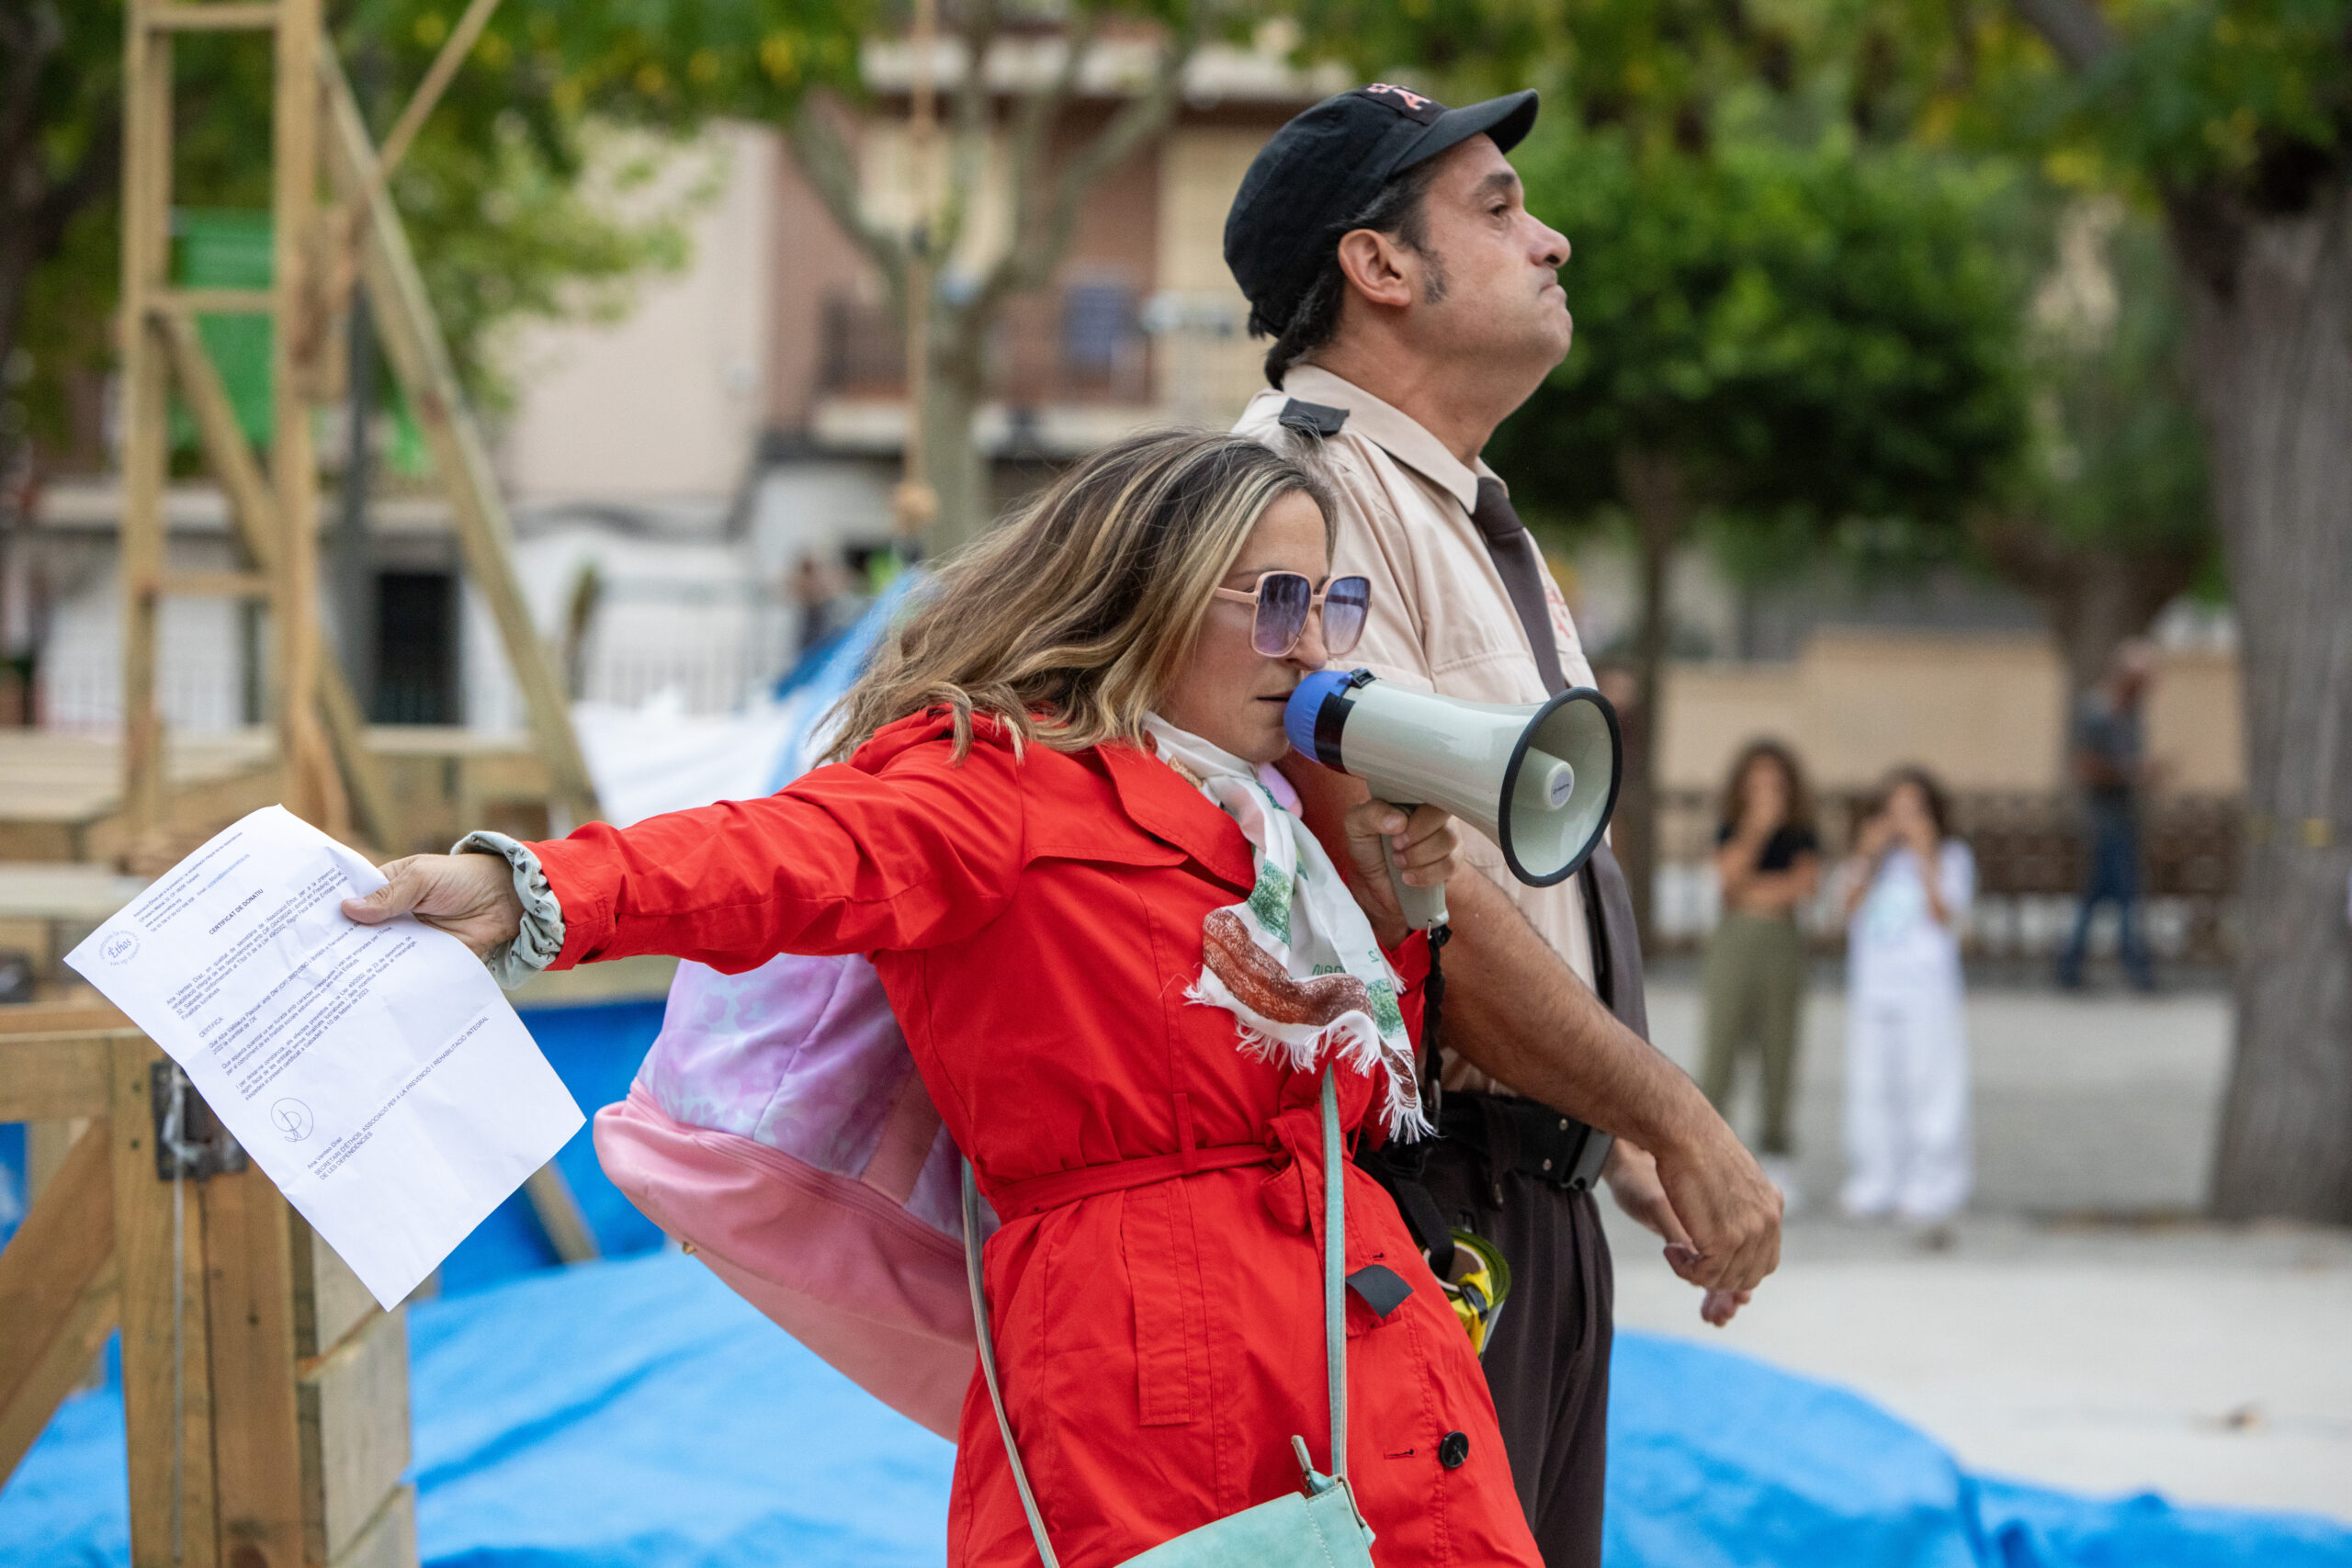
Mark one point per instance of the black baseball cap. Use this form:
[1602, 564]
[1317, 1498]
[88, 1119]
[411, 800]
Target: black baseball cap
[1325, 166]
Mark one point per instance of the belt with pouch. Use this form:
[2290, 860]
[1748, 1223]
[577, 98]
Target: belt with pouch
[1512, 1133]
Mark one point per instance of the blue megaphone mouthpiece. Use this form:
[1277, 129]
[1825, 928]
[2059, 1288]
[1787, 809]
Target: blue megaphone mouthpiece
[1300, 718]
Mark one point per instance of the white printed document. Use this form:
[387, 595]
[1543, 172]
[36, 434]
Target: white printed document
[376, 1073]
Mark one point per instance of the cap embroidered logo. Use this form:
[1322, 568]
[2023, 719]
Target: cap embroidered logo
[1412, 105]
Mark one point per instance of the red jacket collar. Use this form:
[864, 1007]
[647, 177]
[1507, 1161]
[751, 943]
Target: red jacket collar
[1166, 808]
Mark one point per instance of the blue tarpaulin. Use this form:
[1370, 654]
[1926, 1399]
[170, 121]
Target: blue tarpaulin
[635, 1412]
[635, 1415]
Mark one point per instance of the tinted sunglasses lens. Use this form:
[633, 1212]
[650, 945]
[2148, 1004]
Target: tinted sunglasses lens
[1346, 603]
[1282, 599]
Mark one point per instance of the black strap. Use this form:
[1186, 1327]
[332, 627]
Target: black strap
[1608, 901]
[1513, 550]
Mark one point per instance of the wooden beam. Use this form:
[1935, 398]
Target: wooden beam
[256, 1427]
[213, 301]
[388, 1540]
[559, 1214]
[419, 357]
[255, 511]
[313, 791]
[167, 1421]
[356, 1433]
[216, 584]
[438, 77]
[46, 1077]
[329, 1301]
[57, 1292]
[146, 252]
[236, 15]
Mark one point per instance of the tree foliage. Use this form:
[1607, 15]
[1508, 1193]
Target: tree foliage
[492, 190]
[1814, 332]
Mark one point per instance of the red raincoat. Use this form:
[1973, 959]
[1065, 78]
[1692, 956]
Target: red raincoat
[1036, 923]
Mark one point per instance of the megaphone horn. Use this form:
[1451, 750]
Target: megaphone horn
[1538, 778]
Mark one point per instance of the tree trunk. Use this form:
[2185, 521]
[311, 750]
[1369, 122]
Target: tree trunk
[2271, 331]
[1659, 498]
[958, 473]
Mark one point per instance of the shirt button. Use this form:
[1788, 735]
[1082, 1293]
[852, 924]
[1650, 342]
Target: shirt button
[1454, 1449]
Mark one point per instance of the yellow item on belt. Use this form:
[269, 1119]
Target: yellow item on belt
[1481, 1279]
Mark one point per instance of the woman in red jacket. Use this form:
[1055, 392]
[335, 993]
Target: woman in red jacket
[1121, 967]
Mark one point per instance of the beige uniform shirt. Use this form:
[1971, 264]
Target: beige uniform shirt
[1442, 620]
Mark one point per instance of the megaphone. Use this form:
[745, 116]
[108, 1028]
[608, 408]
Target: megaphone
[1538, 778]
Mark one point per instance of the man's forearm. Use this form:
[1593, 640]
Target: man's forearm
[1516, 1010]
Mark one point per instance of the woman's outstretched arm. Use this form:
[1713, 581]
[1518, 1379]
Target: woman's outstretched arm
[844, 861]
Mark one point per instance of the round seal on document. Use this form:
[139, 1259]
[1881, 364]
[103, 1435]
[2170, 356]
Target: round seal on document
[292, 1118]
[120, 948]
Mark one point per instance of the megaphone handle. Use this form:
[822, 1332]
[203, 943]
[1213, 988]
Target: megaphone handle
[1424, 907]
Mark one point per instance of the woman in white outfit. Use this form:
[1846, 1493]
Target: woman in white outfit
[1908, 887]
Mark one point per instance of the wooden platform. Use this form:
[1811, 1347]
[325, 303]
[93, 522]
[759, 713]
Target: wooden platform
[60, 796]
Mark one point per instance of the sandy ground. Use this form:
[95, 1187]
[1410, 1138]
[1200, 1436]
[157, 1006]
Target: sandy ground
[2079, 1326]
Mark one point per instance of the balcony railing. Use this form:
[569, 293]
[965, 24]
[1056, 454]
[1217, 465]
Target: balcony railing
[1084, 343]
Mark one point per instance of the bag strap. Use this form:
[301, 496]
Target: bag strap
[1335, 1319]
[987, 1365]
[1335, 1272]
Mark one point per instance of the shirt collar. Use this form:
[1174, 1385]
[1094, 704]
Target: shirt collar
[1393, 432]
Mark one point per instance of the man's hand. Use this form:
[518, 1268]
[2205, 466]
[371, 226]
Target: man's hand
[471, 897]
[1633, 1180]
[1731, 1213]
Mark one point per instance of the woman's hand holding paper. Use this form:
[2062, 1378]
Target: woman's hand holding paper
[471, 897]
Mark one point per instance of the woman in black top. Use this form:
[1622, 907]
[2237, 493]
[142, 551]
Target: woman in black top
[1768, 860]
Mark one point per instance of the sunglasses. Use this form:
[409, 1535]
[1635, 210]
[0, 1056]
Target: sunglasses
[1283, 599]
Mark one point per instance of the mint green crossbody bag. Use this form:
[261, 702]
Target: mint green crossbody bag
[1319, 1527]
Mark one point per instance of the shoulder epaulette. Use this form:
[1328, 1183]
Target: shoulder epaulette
[1317, 419]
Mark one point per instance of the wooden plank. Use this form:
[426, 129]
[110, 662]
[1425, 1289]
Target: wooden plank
[216, 584]
[419, 357]
[559, 1214]
[254, 509]
[163, 1472]
[256, 1428]
[65, 1017]
[53, 1077]
[56, 1294]
[146, 240]
[329, 1300]
[213, 301]
[388, 1540]
[46, 1147]
[353, 1406]
[226, 16]
[313, 791]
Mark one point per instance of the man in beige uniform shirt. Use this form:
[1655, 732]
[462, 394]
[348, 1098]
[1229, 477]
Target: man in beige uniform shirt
[1382, 242]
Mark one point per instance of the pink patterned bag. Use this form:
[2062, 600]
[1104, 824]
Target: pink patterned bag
[779, 1129]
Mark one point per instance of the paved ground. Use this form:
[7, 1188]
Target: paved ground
[2079, 1326]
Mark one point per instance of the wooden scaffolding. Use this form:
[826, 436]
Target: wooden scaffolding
[265, 1394]
[318, 250]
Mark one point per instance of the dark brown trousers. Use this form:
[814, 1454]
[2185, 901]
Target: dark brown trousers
[1547, 1362]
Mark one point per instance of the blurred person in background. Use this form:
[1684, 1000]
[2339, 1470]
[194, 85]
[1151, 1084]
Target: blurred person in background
[1907, 888]
[2109, 759]
[829, 604]
[1767, 864]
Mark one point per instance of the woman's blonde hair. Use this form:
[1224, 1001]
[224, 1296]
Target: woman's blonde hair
[1068, 622]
